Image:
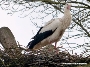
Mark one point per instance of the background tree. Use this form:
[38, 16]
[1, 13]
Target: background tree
[43, 9]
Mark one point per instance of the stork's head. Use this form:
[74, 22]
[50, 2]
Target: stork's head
[68, 6]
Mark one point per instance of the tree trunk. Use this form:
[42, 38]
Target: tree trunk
[6, 38]
[8, 41]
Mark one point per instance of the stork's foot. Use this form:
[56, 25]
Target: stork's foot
[57, 49]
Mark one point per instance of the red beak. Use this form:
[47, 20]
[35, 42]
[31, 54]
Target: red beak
[69, 7]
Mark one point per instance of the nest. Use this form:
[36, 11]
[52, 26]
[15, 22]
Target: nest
[45, 57]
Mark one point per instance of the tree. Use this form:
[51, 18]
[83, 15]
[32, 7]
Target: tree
[80, 17]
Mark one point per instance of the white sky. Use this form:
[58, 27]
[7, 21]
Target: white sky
[20, 27]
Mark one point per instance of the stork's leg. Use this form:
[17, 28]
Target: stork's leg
[55, 45]
[56, 48]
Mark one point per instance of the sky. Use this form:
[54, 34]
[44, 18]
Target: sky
[20, 27]
[23, 29]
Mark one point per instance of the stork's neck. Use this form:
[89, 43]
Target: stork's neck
[67, 12]
[66, 19]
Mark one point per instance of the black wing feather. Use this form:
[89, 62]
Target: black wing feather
[39, 37]
[37, 33]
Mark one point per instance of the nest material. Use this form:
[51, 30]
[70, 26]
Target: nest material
[45, 57]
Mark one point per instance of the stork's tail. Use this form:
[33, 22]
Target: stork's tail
[29, 45]
[32, 43]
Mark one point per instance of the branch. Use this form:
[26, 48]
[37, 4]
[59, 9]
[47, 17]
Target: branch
[45, 1]
[82, 28]
[80, 3]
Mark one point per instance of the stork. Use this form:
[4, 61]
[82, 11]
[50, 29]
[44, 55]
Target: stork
[52, 31]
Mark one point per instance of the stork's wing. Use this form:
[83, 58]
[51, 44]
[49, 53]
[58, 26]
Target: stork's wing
[39, 38]
[42, 35]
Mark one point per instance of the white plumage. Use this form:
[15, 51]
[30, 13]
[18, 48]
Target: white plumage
[52, 31]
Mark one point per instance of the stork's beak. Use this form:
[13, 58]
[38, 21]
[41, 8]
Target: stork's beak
[69, 7]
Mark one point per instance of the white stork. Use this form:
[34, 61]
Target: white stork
[52, 31]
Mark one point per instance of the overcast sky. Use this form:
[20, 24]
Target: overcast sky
[20, 27]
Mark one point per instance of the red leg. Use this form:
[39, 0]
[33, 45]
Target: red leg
[55, 45]
[56, 48]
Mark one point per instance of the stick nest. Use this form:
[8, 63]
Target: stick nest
[45, 57]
